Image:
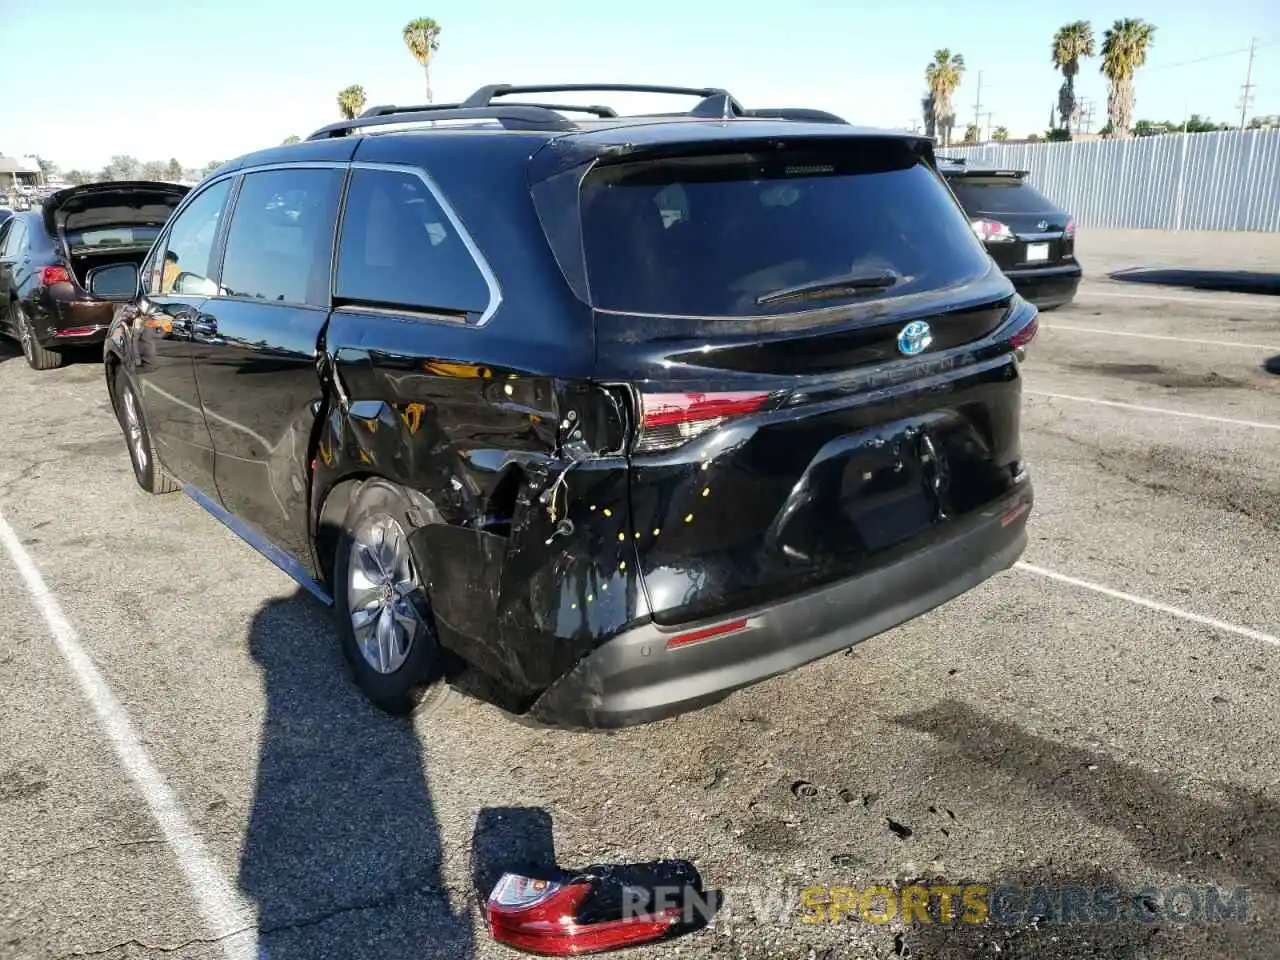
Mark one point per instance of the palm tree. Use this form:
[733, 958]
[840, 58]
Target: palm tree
[1124, 50]
[422, 37]
[351, 101]
[1070, 43]
[1000, 133]
[943, 76]
[972, 133]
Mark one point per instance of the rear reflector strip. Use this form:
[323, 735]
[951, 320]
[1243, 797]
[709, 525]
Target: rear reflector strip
[77, 331]
[706, 633]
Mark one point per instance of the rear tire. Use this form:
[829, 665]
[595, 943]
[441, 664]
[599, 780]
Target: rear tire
[142, 449]
[384, 616]
[38, 358]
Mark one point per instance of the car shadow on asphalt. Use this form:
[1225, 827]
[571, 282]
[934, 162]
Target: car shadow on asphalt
[1220, 281]
[1226, 844]
[343, 852]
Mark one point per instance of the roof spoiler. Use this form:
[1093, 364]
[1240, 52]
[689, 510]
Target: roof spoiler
[713, 103]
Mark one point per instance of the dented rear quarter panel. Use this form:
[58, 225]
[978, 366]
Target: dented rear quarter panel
[470, 419]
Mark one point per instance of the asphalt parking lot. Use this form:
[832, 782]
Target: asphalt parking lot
[183, 761]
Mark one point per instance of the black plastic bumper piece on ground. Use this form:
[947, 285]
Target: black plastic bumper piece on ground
[635, 678]
[1047, 287]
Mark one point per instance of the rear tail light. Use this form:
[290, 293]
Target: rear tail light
[670, 419]
[51, 275]
[992, 231]
[1070, 230]
[541, 916]
[76, 331]
[1021, 338]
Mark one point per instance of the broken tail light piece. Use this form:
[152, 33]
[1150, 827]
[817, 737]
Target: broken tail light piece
[542, 916]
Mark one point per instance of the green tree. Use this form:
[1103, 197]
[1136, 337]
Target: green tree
[154, 170]
[351, 101]
[78, 177]
[292, 138]
[1000, 133]
[122, 167]
[943, 76]
[422, 37]
[211, 166]
[972, 133]
[48, 168]
[1071, 43]
[1124, 50]
[173, 170]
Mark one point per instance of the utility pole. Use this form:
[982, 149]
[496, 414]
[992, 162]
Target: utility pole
[1246, 89]
[977, 105]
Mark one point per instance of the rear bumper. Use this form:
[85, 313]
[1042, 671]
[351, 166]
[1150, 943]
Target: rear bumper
[71, 323]
[1047, 286]
[635, 678]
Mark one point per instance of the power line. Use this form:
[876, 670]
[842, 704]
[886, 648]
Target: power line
[1214, 56]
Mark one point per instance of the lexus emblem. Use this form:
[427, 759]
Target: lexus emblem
[1042, 226]
[914, 338]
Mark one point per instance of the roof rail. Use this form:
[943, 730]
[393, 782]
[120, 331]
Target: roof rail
[795, 113]
[486, 94]
[513, 117]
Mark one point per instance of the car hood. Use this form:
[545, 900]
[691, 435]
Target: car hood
[121, 204]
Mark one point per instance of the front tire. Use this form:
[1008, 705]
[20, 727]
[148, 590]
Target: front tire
[38, 358]
[384, 616]
[142, 449]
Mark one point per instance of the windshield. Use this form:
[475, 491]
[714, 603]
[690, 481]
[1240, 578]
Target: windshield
[1000, 195]
[713, 235]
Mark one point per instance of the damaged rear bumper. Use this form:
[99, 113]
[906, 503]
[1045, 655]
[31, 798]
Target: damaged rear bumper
[636, 678]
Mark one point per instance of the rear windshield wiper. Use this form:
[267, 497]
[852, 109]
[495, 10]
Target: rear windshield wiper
[832, 287]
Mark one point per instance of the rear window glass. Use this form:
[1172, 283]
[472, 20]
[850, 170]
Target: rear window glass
[1000, 195]
[714, 235]
[113, 237]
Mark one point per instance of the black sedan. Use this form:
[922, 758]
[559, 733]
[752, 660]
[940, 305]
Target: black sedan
[46, 257]
[1027, 235]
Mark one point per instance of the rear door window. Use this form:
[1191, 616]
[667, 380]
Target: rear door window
[280, 243]
[1000, 195]
[13, 243]
[717, 235]
[188, 257]
[399, 248]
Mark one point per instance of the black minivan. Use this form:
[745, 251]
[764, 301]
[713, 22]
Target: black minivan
[597, 418]
[1027, 234]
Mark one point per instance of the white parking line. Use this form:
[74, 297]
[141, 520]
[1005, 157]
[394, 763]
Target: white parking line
[1258, 424]
[1155, 336]
[1220, 301]
[1151, 604]
[222, 910]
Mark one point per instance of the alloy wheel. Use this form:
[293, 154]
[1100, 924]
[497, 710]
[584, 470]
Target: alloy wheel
[24, 333]
[382, 594]
[133, 429]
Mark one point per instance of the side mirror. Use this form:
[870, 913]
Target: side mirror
[115, 281]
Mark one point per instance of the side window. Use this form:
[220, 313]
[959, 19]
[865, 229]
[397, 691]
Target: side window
[4, 234]
[189, 251]
[280, 244]
[13, 243]
[400, 249]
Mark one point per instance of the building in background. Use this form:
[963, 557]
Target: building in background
[19, 174]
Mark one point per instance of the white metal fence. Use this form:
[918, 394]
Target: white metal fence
[1198, 181]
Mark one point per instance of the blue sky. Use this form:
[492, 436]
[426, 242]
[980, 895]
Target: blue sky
[210, 79]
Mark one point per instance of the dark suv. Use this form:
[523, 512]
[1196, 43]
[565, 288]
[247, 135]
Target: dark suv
[1026, 233]
[598, 419]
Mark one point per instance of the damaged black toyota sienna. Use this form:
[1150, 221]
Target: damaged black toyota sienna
[598, 418]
